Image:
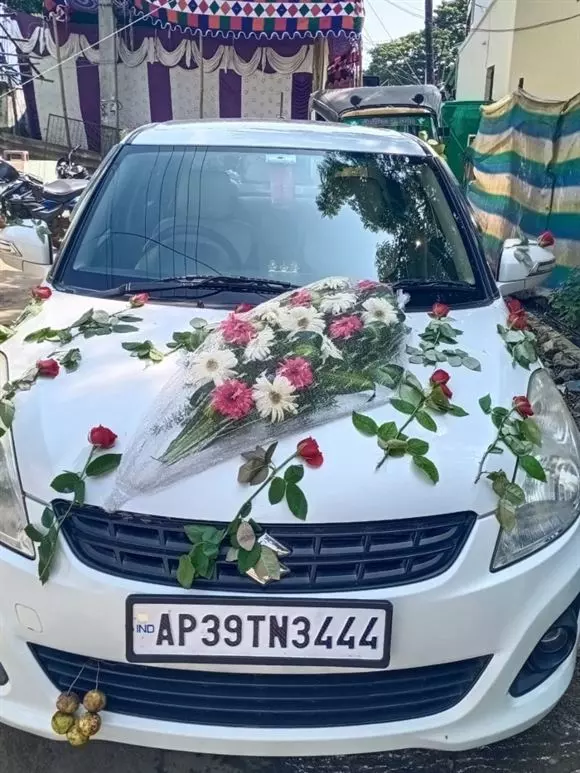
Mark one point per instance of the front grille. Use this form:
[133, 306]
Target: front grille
[265, 700]
[325, 557]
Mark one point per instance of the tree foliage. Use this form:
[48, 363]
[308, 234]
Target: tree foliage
[28, 6]
[395, 62]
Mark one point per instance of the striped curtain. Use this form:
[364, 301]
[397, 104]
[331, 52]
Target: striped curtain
[526, 161]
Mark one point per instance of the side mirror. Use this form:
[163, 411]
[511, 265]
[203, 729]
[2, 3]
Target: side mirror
[26, 246]
[523, 265]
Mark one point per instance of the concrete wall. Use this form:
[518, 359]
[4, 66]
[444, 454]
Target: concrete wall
[484, 49]
[546, 57]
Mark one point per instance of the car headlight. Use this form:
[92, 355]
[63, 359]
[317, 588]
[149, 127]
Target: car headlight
[552, 506]
[13, 518]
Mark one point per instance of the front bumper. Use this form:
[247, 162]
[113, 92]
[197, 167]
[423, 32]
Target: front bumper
[465, 613]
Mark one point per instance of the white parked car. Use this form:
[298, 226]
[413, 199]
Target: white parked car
[394, 560]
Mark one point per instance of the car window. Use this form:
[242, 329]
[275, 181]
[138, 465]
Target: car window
[276, 214]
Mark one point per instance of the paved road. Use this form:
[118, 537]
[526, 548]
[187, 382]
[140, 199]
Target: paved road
[551, 747]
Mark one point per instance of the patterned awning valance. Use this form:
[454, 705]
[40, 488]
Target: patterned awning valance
[237, 18]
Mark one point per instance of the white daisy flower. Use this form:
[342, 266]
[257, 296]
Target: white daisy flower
[379, 310]
[338, 302]
[259, 346]
[302, 319]
[328, 349]
[274, 399]
[270, 313]
[330, 283]
[216, 366]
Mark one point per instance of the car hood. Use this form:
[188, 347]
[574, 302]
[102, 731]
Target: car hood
[118, 391]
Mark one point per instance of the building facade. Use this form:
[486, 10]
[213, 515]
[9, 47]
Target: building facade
[533, 44]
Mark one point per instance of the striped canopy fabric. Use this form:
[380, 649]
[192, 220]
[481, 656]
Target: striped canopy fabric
[526, 166]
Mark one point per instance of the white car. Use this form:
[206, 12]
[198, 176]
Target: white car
[402, 569]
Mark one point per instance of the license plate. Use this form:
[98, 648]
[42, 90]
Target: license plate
[186, 629]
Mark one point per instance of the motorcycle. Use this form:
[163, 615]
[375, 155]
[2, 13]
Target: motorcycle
[66, 169]
[28, 198]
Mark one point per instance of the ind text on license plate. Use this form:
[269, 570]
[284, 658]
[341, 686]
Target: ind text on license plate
[185, 629]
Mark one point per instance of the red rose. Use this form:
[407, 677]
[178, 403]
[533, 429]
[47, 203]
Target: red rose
[440, 310]
[48, 368]
[309, 451]
[241, 308]
[135, 301]
[102, 437]
[514, 306]
[523, 406]
[546, 239]
[41, 293]
[517, 320]
[440, 379]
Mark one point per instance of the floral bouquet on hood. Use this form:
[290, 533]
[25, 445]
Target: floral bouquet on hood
[299, 360]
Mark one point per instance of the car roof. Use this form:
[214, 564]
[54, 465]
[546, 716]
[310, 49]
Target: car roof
[306, 135]
[368, 97]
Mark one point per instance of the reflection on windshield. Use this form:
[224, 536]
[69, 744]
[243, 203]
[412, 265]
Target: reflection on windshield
[282, 215]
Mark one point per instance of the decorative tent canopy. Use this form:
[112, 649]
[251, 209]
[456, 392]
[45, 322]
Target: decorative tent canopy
[235, 18]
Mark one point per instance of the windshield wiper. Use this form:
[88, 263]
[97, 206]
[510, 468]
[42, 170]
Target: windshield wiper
[437, 284]
[244, 284]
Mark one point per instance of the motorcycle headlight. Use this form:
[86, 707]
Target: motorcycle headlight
[13, 518]
[551, 507]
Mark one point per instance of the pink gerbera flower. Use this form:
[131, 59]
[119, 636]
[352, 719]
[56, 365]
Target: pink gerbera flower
[233, 399]
[298, 372]
[300, 298]
[367, 284]
[345, 327]
[236, 330]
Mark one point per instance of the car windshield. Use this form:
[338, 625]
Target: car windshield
[412, 124]
[281, 216]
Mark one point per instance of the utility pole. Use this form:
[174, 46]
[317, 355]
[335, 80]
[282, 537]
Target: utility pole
[429, 69]
[108, 69]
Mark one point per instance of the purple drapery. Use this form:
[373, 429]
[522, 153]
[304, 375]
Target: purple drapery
[159, 92]
[230, 94]
[90, 101]
[301, 90]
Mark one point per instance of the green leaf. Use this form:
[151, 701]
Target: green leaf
[155, 355]
[430, 356]
[198, 323]
[125, 328]
[277, 490]
[410, 395]
[294, 473]
[245, 536]
[403, 406]
[270, 451]
[413, 381]
[6, 413]
[33, 533]
[232, 555]
[65, 483]
[364, 424]
[71, 360]
[5, 333]
[514, 494]
[455, 362]
[271, 563]
[88, 315]
[456, 410]
[498, 415]
[249, 558]
[513, 336]
[531, 431]
[471, 363]
[417, 447]
[506, 515]
[394, 447]
[245, 510]
[129, 318]
[485, 404]
[532, 467]
[387, 431]
[254, 472]
[194, 532]
[296, 501]
[103, 464]
[185, 572]
[426, 421]
[201, 563]
[387, 375]
[47, 518]
[101, 317]
[348, 383]
[427, 466]
[416, 359]
[133, 346]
